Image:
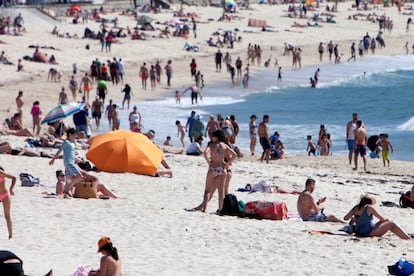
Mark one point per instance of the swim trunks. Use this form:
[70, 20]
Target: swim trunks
[351, 144]
[71, 170]
[96, 114]
[265, 143]
[361, 150]
[319, 217]
[385, 155]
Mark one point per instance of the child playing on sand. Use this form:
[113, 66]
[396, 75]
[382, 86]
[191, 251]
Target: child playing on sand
[5, 198]
[311, 148]
[60, 184]
[110, 262]
[180, 132]
[386, 146]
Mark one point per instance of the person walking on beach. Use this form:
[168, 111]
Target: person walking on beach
[168, 71]
[86, 83]
[153, 77]
[127, 95]
[386, 146]
[361, 140]
[311, 210]
[336, 54]
[73, 87]
[97, 107]
[350, 137]
[279, 74]
[352, 52]
[63, 97]
[194, 93]
[239, 65]
[330, 50]
[180, 132]
[321, 50]
[189, 125]
[143, 73]
[253, 133]
[363, 214]
[110, 262]
[36, 112]
[218, 59]
[72, 171]
[19, 102]
[316, 76]
[5, 198]
[263, 131]
[212, 126]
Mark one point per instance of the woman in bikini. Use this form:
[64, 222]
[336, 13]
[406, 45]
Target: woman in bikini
[219, 157]
[5, 198]
[253, 133]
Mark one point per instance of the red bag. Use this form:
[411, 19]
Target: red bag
[266, 210]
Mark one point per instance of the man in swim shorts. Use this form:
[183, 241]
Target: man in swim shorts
[87, 86]
[97, 107]
[263, 132]
[311, 210]
[361, 141]
[350, 138]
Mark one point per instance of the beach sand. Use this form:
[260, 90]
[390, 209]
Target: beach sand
[153, 233]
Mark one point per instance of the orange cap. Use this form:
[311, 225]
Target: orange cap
[103, 241]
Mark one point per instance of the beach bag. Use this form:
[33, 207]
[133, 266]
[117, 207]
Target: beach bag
[230, 206]
[401, 268]
[86, 190]
[405, 200]
[28, 180]
[266, 210]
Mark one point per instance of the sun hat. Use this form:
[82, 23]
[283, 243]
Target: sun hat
[102, 242]
[368, 196]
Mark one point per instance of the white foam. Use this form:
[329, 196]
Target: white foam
[408, 125]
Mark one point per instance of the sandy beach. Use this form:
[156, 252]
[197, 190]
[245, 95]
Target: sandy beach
[148, 225]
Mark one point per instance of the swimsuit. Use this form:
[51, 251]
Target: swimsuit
[265, 143]
[227, 131]
[319, 217]
[385, 154]
[364, 224]
[4, 195]
[217, 171]
[361, 149]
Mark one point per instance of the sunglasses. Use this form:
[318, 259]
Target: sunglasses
[61, 175]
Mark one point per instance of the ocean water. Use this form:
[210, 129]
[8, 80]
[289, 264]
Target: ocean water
[379, 88]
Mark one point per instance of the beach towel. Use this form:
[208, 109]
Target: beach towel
[266, 210]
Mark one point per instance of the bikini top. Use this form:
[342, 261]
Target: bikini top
[2, 179]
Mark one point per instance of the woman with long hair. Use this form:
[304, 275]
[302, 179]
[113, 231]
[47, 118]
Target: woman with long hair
[363, 214]
[5, 198]
[219, 157]
[110, 262]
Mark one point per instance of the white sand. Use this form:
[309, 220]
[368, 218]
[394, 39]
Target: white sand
[152, 232]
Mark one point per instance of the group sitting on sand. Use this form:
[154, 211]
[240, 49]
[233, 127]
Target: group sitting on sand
[361, 215]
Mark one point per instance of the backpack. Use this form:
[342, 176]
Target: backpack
[405, 200]
[401, 268]
[230, 206]
[28, 180]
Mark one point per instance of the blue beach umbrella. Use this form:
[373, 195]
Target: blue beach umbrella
[62, 111]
